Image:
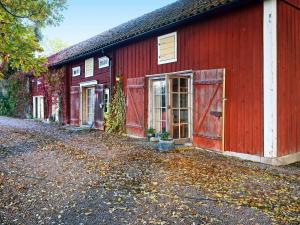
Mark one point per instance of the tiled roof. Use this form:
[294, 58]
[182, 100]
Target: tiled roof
[172, 13]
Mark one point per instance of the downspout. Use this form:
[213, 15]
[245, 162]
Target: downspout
[110, 78]
[110, 72]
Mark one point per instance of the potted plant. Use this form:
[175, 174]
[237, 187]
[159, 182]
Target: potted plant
[165, 143]
[150, 132]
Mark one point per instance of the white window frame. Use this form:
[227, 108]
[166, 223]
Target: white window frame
[74, 70]
[85, 73]
[160, 62]
[39, 114]
[167, 77]
[106, 64]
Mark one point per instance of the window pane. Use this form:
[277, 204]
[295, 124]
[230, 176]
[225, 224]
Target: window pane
[175, 101]
[176, 116]
[175, 132]
[184, 116]
[163, 126]
[163, 101]
[157, 101]
[163, 87]
[183, 85]
[163, 114]
[184, 131]
[175, 85]
[183, 100]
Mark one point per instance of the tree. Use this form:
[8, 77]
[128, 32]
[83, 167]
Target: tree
[20, 23]
[52, 46]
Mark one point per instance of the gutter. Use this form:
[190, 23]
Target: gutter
[169, 26]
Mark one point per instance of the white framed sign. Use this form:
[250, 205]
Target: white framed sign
[103, 62]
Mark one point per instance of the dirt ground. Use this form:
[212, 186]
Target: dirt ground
[50, 175]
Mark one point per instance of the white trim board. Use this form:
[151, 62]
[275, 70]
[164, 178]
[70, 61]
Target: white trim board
[270, 78]
[84, 84]
[278, 161]
[88, 83]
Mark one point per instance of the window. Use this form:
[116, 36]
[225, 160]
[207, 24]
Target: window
[106, 99]
[103, 62]
[76, 71]
[38, 107]
[89, 67]
[167, 48]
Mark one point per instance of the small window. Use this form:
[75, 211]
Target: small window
[106, 99]
[103, 62]
[76, 71]
[89, 67]
[167, 48]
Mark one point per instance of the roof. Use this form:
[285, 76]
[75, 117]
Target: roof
[170, 14]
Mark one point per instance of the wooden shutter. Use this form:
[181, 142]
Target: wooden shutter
[99, 106]
[135, 112]
[208, 108]
[167, 48]
[89, 67]
[75, 92]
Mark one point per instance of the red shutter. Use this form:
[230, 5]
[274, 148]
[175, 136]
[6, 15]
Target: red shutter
[208, 108]
[75, 91]
[135, 112]
[99, 106]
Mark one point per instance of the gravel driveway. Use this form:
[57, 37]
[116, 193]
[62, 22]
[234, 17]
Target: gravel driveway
[49, 175]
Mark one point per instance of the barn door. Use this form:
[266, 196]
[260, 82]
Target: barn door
[135, 118]
[75, 91]
[208, 108]
[99, 106]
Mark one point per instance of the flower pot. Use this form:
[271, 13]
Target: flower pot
[165, 145]
[149, 136]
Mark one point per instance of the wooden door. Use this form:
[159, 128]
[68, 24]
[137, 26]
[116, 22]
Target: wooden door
[209, 109]
[135, 110]
[99, 106]
[75, 91]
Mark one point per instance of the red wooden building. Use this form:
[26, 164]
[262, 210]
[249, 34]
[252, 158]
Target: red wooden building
[223, 75]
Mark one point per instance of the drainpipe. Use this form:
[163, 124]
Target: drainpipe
[110, 78]
[110, 72]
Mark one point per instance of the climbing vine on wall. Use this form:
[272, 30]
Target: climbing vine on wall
[115, 119]
[55, 86]
[17, 99]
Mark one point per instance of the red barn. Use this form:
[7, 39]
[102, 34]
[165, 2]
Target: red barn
[222, 74]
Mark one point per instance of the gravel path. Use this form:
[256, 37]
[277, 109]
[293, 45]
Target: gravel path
[49, 175]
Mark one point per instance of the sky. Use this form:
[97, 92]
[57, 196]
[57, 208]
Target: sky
[86, 18]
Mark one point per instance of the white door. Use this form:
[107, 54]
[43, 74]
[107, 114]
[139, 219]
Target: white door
[180, 107]
[170, 106]
[159, 110]
[90, 105]
[38, 107]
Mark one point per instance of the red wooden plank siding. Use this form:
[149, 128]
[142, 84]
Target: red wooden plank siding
[288, 78]
[101, 75]
[231, 40]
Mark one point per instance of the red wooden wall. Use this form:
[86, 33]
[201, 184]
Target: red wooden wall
[288, 77]
[37, 86]
[101, 75]
[231, 40]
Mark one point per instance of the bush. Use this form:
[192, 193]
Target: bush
[115, 119]
[7, 106]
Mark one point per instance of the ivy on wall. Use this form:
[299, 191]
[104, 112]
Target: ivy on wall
[16, 101]
[54, 79]
[115, 118]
